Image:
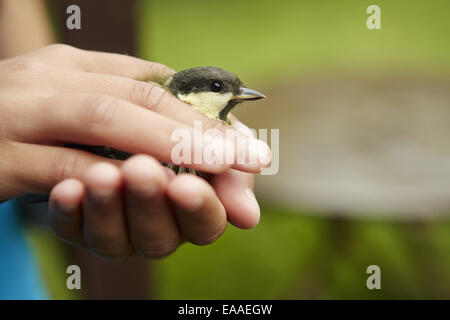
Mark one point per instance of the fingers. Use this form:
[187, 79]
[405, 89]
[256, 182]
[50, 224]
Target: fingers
[65, 214]
[104, 223]
[39, 167]
[145, 94]
[157, 99]
[123, 65]
[235, 191]
[201, 216]
[91, 118]
[152, 226]
[150, 96]
[137, 207]
[103, 120]
[107, 63]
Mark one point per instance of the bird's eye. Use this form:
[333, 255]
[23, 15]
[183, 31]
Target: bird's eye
[216, 86]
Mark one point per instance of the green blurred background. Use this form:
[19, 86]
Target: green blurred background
[297, 253]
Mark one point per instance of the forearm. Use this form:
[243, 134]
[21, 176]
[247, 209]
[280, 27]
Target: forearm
[23, 27]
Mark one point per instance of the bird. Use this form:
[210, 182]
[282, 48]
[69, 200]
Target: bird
[211, 91]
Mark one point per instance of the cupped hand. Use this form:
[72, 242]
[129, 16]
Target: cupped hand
[143, 207]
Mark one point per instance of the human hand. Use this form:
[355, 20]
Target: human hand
[61, 94]
[142, 207]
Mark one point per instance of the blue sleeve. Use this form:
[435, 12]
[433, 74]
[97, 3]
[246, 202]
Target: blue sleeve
[19, 273]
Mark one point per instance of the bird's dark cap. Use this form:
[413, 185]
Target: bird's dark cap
[200, 79]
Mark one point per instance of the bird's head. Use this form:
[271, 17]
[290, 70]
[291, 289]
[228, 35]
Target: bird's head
[212, 91]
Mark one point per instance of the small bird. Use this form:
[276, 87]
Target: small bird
[209, 90]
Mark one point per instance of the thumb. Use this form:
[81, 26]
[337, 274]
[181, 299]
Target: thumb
[38, 168]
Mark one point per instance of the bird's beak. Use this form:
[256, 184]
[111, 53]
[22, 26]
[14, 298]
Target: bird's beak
[248, 94]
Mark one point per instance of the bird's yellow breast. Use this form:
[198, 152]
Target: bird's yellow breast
[208, 103]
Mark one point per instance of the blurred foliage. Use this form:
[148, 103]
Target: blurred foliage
[243, 264]
[260, 39]
[52, 262]
[291, 255]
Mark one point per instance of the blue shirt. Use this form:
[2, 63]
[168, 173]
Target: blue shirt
[19, 273]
